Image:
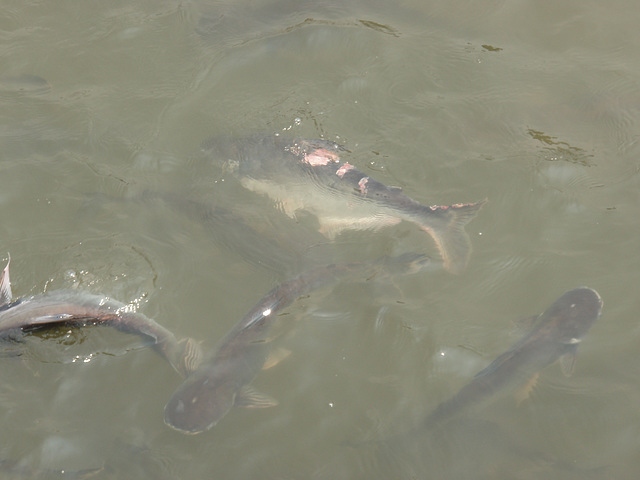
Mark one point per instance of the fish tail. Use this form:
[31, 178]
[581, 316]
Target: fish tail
[449, 234]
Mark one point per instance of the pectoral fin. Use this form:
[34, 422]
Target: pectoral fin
[250, 398]
[568, 362]
[191, 356]
[525, 391]
[5, 285]
[275, 357]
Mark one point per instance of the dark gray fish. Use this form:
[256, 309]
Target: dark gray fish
[75, 308]
[556, 334]
[222, 380]
[310, 175]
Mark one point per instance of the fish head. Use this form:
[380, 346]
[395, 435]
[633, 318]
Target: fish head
[199, 403]
[573, 314]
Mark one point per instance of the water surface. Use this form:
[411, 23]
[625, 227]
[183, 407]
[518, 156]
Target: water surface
[534, 106]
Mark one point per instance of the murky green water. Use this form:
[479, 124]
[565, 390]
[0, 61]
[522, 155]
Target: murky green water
[534, 106]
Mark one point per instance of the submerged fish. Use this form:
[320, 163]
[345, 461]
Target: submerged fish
[310, 175]
[280, 252]
[556, 334]
[222, 380]
[75, 308]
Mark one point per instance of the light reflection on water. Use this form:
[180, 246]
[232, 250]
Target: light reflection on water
[535, 109]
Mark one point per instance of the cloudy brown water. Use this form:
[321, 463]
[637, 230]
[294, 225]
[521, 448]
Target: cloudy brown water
[532, 105]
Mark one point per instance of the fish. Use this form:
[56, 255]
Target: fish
[222, 380]
[77, 309]
[310, 175]
[555, 334]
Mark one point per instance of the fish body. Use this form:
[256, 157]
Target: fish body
[556, 334]
[310, 175]
[222, 380]
[76, 308]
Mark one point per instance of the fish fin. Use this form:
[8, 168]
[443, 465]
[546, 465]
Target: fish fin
[5, 285]
[249, 398]
[568, 362]
[524, 392]
[191, 355]
[451, 238]
[275, 357]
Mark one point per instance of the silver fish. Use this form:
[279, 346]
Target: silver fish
[310, 175]
[222, 380]
[76, 308]
[556, 334]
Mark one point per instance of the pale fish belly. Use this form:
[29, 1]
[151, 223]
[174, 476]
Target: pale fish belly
[335, 211]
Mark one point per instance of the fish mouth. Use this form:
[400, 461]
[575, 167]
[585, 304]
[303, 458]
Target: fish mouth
[187, 430]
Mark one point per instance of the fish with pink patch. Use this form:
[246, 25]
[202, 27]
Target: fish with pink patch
[311, 175]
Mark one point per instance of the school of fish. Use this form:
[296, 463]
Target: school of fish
[309, 175]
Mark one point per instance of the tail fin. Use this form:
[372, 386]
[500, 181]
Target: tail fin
[450, 236]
